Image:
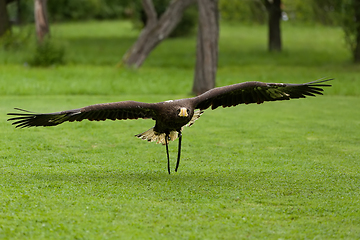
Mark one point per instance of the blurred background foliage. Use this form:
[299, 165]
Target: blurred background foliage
[302, 11]
[339, 13]
[80, 10]
[325, 12]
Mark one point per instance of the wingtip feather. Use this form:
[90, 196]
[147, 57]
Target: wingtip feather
[321, 80]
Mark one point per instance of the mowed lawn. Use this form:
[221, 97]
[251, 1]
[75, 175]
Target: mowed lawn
[278, 170]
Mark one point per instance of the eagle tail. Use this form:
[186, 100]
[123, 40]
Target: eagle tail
[152, 136]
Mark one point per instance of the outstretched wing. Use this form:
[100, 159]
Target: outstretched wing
[97, 112]
[257, 92]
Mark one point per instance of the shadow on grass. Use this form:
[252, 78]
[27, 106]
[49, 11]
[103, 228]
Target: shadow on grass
[121, 176]
[186, 184]
[182, 179]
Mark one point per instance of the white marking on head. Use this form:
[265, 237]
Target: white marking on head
[183, 112]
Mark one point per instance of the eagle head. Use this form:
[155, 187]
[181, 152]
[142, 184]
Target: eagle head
[183, 112]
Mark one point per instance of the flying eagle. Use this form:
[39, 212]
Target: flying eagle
[171, 116]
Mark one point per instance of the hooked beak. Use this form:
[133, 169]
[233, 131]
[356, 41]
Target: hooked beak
[183, 112]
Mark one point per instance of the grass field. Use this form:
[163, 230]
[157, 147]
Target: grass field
[286, 170]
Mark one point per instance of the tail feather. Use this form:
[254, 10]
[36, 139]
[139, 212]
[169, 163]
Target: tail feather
[152, 136]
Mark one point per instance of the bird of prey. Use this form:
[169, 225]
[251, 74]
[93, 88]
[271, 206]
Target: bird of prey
[171, 116]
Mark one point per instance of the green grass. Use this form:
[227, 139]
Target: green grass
[278, 170]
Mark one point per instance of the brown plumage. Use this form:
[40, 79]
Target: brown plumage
[171, 116]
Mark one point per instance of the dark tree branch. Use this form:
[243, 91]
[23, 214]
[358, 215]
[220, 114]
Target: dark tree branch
[5, 25]
[150, 12]
[267, 4]
[156, 31]
[356, 53]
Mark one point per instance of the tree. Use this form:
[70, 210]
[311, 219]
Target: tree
[185, 26]
[155, 30]
[46, 52]
[41, 20]
[207, 46]
[5, 25]
[356, 52]
[273, 8]
[350, 18]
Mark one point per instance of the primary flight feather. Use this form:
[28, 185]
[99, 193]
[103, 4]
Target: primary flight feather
[171, 116]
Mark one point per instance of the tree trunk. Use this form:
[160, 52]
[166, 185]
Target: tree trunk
[356, 53]
[274, 12]
[155, 30]
[207, 46]
[41, 20]
[18, 12]
[4, 18]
